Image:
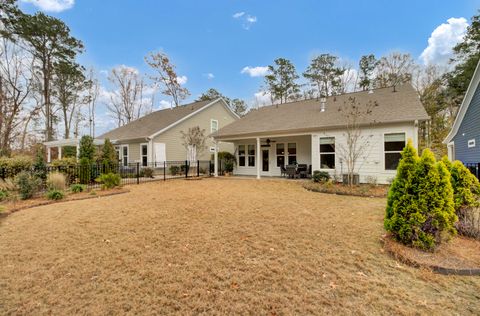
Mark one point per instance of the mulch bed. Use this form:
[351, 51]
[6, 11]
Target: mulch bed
[362, 190]
[460, 256]
[12, 207]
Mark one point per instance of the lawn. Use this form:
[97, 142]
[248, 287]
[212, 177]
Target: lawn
[221, 246]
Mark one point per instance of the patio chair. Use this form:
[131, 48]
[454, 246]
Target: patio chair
[283, 171]
[291, 171]
[302, 170]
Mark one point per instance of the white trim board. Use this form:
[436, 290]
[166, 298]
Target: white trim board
[467, 99]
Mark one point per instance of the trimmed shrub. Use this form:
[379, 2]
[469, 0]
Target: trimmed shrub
[64, 163]
[27, 184]
[320, 176]
[109, 180]
[11, 166]
[56, 181]
[77, 188]
[55, 195]
[466, 187]
[147, 172]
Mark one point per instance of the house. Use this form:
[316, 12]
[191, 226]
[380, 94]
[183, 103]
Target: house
[157, 137]
[463, 141]
[309, 132]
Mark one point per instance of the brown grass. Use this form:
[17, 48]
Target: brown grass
[215, 247]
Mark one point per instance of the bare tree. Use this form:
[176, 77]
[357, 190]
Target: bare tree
[194, 141]
[355, 115]
[394, 69]
[166, 77]
[127, 102]
[92, 95]
[16, 68]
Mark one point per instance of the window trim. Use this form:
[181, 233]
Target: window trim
[392, 152]
[244, 155]
[211, 125]
[334, 153]
[277, 155]
[254, 156]
[287, 154]
[142, 155]
[123, 156]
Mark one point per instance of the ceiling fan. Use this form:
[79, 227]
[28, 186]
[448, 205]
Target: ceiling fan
[268, 142]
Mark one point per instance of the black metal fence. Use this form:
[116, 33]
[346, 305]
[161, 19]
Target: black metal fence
[474, 168]
[132, 173]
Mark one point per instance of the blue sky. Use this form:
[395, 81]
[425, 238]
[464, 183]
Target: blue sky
[214, 37]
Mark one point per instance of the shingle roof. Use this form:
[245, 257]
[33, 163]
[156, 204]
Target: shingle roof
[153, 122]
[400, 106]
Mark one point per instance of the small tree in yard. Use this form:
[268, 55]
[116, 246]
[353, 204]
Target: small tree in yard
[86, 155]
[355, 114]
[194, 142]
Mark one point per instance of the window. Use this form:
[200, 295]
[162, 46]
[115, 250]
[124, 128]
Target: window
[280, 155]
[125, 155]
[471, 143]
[117, 152]
[251, 155]
[241, 155]
[327, 152]
[213, 126]
[292, 153]
[393, 146]
[144, 154]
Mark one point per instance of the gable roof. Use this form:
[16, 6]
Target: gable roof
[467, 99]
[159, 121]
[305, 116]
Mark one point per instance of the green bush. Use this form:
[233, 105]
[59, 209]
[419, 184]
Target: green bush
[420, 210]
[3, 195]
[77, 188]
[174, 170]
[69, 152]
[147, 172]
[466, 187]
[39, 164]
[85, 171]
[109, 180]
[55, 195]
[320, 176]
[27, 184]
[228, 165]
[11, 166]
[87, 148]
[64, 163]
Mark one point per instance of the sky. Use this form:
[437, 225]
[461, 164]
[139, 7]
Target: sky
[227, 44]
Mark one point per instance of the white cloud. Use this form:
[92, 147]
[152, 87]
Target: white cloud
[262, 98]
[246, 19]
[52, 5]
[442, 40]
[238, 15]
[258, 71]
[164, 105]
[209, 76]
[182, 80]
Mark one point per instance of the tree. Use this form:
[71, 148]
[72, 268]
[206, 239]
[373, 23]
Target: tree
[324, 74]
[356, 143]
[281, 80]
[194, 141]
[393, 70]
[238, 106]
[166, 77]
[127, 101]
[16, 85]
[108, 155]
[48, 39]
[69, 85]
[366, 65]
[92, 95]
[466, 58]
[87, 148]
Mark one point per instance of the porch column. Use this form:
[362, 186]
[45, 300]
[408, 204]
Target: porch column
[258, 157]
[78, 149]
[215, 160]
[59, 152]
[49, 154]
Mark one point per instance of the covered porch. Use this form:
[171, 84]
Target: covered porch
[61, 143]
[271, 155]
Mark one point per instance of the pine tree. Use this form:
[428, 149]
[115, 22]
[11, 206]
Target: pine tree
[109, 156]
[466, 187]
[87, 149]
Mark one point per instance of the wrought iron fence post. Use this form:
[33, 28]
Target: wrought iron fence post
[209, 168]
[198, 168]
[164, 170]
[186, 169]
[138, 172]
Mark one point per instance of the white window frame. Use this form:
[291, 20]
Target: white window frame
[247, 162]
[471, 143]
[277, 155]
[388, 152]
[334, 153]
[123, 156]
[142, 155]
[287, 154]
[211, 125]
[118, 150]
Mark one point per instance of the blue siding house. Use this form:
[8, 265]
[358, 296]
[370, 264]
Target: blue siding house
[464, 139]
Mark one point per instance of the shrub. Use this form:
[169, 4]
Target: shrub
[11, 166]
[87, 148]
[28, 184]
[228, 165]
[69, 152]
[320, 176]
[466, 187]
[77, 188]
[420, 208]
[3, 195]
[64, 163]
[147, 172]
[109, 180]
[39, 164]
[174, 170]
[85, 171]
[55, 195]
[7, 185]
[56, 181]
[108, 154]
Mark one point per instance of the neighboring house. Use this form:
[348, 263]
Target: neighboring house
[300, 132]
[157, 137]
[463, 141]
